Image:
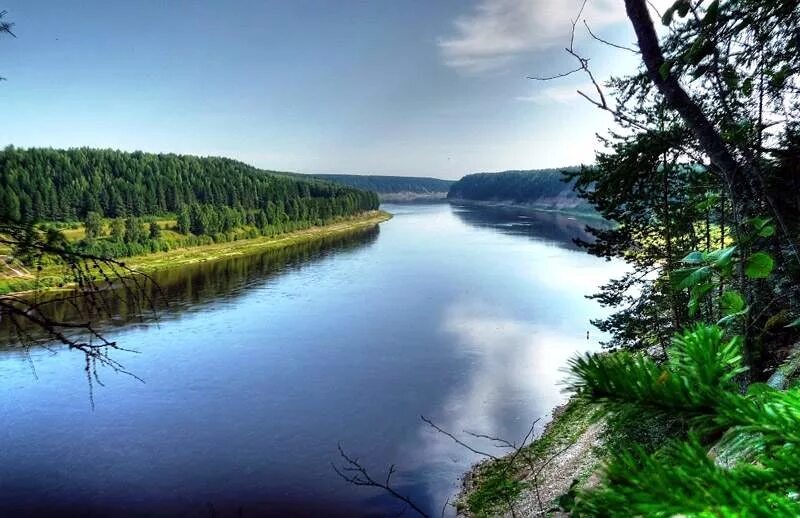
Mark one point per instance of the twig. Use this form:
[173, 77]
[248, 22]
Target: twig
[557, 76]
[353, 472]
[457, 440]
[98, 281]
[601, 40]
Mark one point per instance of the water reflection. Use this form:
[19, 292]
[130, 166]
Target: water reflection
[555, 227]
[262, 364]
[193, 287]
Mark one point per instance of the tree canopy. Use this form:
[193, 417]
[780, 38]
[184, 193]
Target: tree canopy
[543, 187]
[65, 185]
[700, 176]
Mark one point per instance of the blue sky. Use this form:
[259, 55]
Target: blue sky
[435, 88]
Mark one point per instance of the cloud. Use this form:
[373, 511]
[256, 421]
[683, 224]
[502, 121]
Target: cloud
[499, 31]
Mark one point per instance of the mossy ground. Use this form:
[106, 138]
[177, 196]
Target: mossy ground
[492, 485]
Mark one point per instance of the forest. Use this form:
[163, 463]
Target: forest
[390, 184]
[117, 196]
[543, 188]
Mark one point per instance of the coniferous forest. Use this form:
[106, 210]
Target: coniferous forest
[390, 184]
[208, 197]
[547, 188]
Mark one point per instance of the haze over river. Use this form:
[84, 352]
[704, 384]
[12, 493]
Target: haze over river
[261, 365]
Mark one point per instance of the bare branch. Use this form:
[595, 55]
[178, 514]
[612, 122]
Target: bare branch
[444, 506]
[456, 439]
[601, 40]
[6, 26]
[502, 443]
[98, 282]
[353, 472]
[557, 76]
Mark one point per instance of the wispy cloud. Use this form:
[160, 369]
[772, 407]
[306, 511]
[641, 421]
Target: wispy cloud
[499, 31]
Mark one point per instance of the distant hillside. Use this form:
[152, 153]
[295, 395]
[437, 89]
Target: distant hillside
[541, 188]
[391, 188]
[65, 185]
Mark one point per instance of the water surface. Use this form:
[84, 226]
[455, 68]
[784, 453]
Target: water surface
[261, 365]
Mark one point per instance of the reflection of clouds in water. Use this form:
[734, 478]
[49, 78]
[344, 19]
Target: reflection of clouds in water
[564, 274]
[515, 378]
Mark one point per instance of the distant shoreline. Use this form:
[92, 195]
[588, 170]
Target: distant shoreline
[408, 196]
[529, 206]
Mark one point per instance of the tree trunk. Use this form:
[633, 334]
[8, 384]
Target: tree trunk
[708, 136]
[676, 96]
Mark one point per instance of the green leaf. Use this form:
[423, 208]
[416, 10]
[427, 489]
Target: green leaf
[747, 87]
[759, 223]
[700, 71]
[731, 302]
[666, 19]
[694, 258]
[722, 257]
[758, 389]
[730, 77]
[779, 77]
[767, 231]
[696, 296]
[700, 49]
[688, 277]
[759, 265]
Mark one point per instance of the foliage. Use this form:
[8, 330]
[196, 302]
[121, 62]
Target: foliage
[682, 480]
[704, 159]
[154, 231]
[389, 184]
[545, 186]
[216, 200]
[62, 185]
[698, 385]
[93, 225]
[701, 366]
[498, 487]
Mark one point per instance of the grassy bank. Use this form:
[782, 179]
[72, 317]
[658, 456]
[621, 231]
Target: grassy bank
[53, 277]
[529, 483]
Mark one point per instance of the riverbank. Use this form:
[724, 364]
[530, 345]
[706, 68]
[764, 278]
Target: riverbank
[409, 196]
[52, 277]
[532, 482]
[534, 207]
[543, 477]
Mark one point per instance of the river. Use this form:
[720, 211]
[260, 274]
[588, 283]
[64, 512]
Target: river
[260, 365]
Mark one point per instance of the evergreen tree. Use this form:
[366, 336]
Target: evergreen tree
[184, 221]
[93, 225]
[155, 230]
[134, 233]
[117, 230]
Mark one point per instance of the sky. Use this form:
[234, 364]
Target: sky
[414, 88]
